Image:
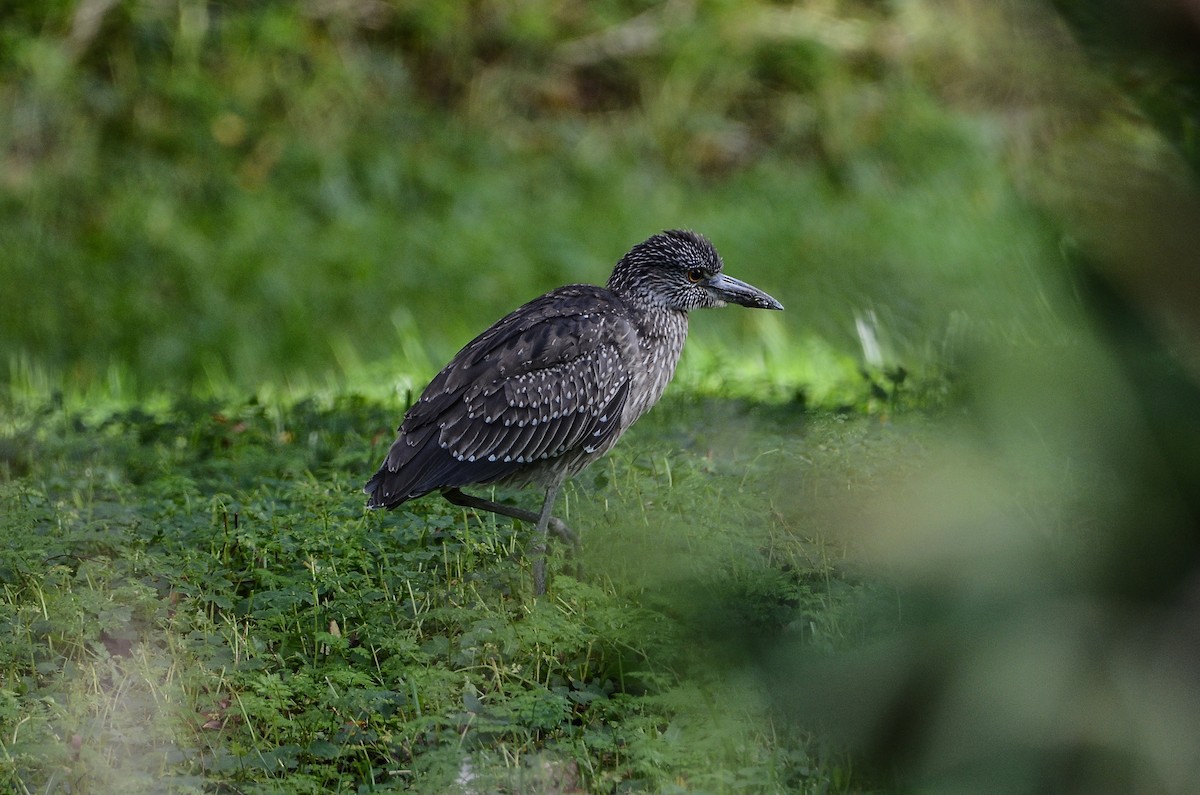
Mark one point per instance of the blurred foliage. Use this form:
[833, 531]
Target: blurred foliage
[1047, 556]
[200, 193]
[1152, 52]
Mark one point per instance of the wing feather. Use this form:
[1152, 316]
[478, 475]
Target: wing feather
[548, 380]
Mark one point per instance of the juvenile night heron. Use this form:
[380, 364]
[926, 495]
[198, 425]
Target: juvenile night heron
[550, 388]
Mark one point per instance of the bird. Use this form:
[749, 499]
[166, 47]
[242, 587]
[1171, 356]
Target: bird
[549, 388]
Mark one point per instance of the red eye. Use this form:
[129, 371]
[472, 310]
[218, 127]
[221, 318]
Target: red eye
[695, 275]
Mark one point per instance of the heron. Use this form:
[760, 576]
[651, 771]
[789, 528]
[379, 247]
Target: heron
[549, 388]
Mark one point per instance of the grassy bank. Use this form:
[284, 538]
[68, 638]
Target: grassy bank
[197, 600]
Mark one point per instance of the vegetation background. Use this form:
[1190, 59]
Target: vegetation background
[200, 194]
[935, 525]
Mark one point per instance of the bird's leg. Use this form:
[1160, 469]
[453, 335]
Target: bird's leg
[543, 522]
[556, 525]
[539, 538]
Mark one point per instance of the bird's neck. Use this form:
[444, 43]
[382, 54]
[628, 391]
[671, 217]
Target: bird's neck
[661, 333]
[662, 329]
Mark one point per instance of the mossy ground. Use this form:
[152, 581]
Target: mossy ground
[197, 601]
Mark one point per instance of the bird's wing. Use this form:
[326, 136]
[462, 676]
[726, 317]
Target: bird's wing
[549, 379]
[564, 386]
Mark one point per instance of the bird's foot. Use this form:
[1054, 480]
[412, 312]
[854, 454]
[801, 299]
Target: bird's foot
[560, 529]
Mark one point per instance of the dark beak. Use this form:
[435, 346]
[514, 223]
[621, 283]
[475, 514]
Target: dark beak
[735, 291]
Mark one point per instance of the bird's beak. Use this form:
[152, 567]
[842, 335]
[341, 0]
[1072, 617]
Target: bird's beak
[735, 291]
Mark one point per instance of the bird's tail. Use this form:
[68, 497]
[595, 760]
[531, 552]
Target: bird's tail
[403, 474]
[416, 464]
[376, 495]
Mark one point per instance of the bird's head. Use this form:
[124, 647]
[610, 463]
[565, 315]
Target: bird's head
[681, 270]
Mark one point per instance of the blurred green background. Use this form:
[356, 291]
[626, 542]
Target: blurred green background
[229, 197]
[197, 195]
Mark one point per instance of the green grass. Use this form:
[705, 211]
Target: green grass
[196, 598]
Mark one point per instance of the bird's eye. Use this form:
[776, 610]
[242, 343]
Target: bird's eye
[695, 275]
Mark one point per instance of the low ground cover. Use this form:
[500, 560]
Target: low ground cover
[197, 600]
